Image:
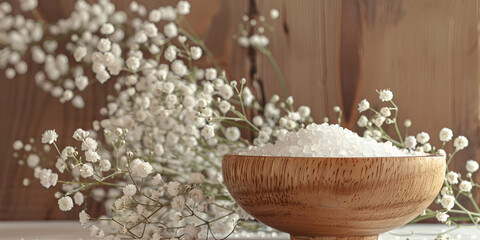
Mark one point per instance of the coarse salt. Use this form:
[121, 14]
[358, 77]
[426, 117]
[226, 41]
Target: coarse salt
[324, 140]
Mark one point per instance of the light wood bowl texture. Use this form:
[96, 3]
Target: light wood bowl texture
[334, 198]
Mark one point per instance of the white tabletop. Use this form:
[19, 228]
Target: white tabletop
[71, 230]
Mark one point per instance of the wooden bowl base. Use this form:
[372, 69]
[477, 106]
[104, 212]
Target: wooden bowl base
[334, 238]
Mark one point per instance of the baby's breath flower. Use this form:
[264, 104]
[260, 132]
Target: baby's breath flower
[78, 198]
[407, 123]
[232, 134]
[133, 63]
[378, 121]
[173, 188]
[178, 203]
[80, 134]
[183, 7]
[170, 30]
[448, 201]
[196, 178]
[80, 53]
[140, 168]
[410, 142]
[445, 134]
[83, 217]
[442, 217]
[86, 170]
[196, 52]
[33, 160]
[423, 137]
[385, 95]
[452, 177]
[385, 111]
[274, 13]
[107, 28]
[196, 194]
[129, 190]
[460, 143]
[50, 136]
[65, 203]
[472, 166]
[158, 180]
[89, 144]
[465, 186]
[208, 131]
[363, 105]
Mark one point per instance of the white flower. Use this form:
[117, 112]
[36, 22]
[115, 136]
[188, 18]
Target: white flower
[65, 203]
[362, 121]
[427, 147]
[452, 177]
[208, 131]
[178, 202]
[140, 168]
[448, 201]
[363, 105]
[78, 198]
[170, 30]
[157, 180]
[129, 190]
[444, 191]
[210, 73]
[107, 28]
[243, 41]
[84, 217]
[196, 52]
[60, 165]
[80, 134]
[170, 53]
[49, 136]
[196, 194]
[423, 137]
[86, 170]
[445, 134]
[104, 45]
[104, 165]
[232, 134]
[91, 156]
[472, 166]
[155, 16]
[179, 68]
[385, 95]
[196, 178]
[17, 145]
[89, 144]
[385, 111]
[226, 91]
[378, 121]
[465, 186]
[304, 111]
[173, 188]
[460, 143]
[81, 82]
[33, 160]
[27, 5]
[410, 142]
[150, 30]
[274, 13]
[183, 7]
[442, 217]
[79, 53]
[133, 63]
[224, 106]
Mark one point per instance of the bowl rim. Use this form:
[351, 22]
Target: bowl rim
[363, 157]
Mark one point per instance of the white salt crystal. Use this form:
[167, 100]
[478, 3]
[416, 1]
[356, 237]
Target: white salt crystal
[324, 140]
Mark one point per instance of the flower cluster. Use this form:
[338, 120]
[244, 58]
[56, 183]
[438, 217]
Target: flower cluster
[454, 185]
[155, 157]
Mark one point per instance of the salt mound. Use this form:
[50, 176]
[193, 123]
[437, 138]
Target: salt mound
[326, 140]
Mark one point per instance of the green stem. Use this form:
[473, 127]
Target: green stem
[276, 68]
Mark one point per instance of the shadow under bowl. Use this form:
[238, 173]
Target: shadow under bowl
[334, 198]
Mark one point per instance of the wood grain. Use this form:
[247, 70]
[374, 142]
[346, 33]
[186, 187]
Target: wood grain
[333, 197]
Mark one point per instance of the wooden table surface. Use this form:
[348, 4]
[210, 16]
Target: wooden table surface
[71, 230]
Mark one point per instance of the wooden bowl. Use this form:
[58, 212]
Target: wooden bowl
[334, 198]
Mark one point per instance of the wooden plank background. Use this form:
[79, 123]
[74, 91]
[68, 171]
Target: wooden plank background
[331, 53]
